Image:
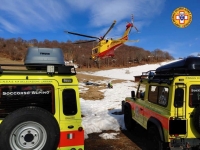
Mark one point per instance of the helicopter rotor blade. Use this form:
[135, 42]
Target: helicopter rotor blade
[81, 34]
[112, 25]
[132, 41]
[127, 40]
[84, 42]
[136, 28]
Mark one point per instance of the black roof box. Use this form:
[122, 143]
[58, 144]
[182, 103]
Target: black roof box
[189, 65]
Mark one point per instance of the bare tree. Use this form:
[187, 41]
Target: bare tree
[16, 48]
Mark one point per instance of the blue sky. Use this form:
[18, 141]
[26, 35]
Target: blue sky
[47, 19]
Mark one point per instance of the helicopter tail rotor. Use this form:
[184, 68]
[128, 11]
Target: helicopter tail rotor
[133, 24]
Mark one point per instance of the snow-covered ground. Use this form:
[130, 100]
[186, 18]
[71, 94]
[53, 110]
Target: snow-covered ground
[98, 114]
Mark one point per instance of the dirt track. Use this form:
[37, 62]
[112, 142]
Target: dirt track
[135, 140]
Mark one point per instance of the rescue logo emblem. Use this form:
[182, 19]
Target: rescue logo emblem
[181, 17]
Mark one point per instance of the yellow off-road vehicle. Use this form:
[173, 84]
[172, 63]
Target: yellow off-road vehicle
[39, 103]
[167, 105]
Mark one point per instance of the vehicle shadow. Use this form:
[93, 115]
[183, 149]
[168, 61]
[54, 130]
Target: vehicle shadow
[137, 135]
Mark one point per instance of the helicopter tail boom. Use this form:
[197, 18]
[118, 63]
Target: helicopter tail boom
[128, 29]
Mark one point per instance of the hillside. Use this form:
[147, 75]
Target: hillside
[125, 56]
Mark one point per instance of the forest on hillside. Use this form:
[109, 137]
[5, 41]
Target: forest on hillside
[16, 48]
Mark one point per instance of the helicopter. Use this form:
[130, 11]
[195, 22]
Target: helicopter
[105, 47]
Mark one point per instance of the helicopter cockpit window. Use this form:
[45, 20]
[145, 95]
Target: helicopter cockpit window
[95, 51]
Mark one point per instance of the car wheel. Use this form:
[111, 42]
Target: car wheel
[128, 120]
[29, 128]
[154, 141]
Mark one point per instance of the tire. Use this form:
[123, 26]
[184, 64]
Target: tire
[29, 128]
[196, 119]
[154, 141]
[128, 120]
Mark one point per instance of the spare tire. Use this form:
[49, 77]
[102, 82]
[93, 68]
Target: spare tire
[29, 128]
[196, 119]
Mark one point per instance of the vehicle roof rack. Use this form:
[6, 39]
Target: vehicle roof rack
[44, 69]
[40, 61]
[151, 76]
[165, 74]
[187, 66]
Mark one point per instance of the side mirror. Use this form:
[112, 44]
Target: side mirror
[133, 94]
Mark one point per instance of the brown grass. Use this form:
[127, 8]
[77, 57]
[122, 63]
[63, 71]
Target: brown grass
[93, 92]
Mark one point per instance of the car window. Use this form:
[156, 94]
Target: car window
[194, 98]
[141, 91]
[153, 92]
[13, 97]
[69, 102]
[158, 95]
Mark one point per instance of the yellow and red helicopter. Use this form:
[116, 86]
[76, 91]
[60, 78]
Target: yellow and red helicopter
[106, 47]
